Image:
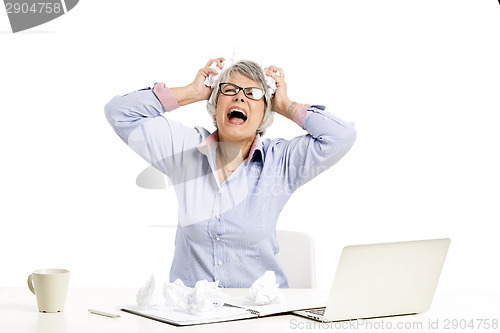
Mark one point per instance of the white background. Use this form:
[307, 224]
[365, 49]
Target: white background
[420, 79]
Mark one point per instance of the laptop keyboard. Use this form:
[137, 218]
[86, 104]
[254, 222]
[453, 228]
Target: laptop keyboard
[320, 311]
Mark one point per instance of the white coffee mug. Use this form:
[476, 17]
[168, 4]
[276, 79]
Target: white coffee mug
[50, 287]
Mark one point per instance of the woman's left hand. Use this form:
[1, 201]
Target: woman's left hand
[280, 101]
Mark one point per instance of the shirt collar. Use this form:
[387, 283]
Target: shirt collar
[210, 144]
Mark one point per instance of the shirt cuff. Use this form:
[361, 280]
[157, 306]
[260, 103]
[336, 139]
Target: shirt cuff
[300, 114]
[166, 97]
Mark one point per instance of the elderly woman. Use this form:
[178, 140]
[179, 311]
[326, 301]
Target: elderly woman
[231, 185]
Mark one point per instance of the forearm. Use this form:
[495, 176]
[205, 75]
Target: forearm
[184, 95]
[320, 123]
[286, 111]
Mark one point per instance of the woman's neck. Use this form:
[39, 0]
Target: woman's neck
[231, 154]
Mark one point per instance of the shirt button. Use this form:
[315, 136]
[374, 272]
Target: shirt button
[220, 262]
[218, 191]
[217, 217]
[218, 238]
[325, 118]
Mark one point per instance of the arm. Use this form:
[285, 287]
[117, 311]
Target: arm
[329, 138]
[137, 119]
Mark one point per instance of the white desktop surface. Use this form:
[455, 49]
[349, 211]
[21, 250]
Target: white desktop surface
[18, 313]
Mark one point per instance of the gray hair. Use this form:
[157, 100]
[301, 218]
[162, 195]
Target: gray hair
[254, 72]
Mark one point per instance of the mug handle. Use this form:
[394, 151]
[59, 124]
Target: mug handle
[30, 284]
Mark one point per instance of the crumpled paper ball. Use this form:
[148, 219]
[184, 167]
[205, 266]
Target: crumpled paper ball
[271, 85]
[211, 79]
[265, 290]
[145, 295]
[175, 292]
[205, 296]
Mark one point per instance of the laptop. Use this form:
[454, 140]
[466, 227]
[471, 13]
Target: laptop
[380, 280]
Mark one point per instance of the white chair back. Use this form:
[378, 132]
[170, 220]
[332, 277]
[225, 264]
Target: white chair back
[296, 255]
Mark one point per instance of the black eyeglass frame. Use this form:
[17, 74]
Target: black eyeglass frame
[240, 88]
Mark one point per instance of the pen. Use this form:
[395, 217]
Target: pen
[102, 313]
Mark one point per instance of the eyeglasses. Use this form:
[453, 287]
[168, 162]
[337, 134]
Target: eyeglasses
[230, 89]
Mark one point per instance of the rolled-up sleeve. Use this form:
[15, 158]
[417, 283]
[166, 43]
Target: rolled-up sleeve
[329, 138]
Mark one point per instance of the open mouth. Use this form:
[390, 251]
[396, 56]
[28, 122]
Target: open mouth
[237, 116]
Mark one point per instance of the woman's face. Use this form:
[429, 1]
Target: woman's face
[231, 125]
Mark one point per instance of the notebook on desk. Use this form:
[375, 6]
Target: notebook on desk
[236, 308]
[388, 279]
[177, 317]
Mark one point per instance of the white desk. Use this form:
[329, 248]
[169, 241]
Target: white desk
[18, 313]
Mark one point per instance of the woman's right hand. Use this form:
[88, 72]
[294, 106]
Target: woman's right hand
[197, 90]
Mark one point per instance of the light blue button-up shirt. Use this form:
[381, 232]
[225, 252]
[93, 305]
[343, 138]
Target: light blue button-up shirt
[227, 231]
